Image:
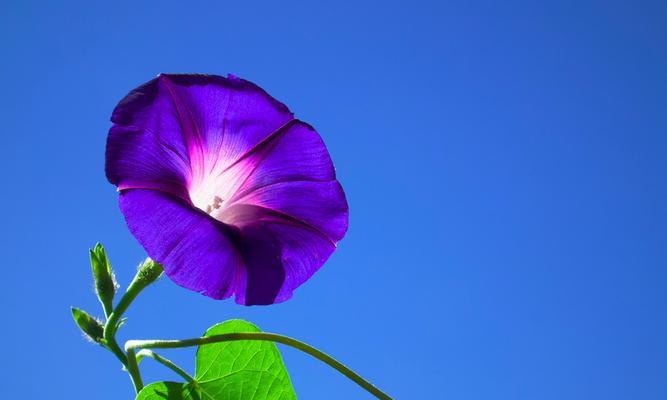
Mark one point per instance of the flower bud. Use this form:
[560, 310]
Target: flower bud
[105, 283]
[90, 327]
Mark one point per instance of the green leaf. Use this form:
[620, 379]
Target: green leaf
[234, 370]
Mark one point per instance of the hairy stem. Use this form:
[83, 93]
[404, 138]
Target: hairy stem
[148, 272]
[131, 345]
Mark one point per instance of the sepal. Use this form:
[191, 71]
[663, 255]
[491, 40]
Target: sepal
[91, 327]
[149, 271]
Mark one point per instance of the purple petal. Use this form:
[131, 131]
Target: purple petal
[318, 205]
[291, 174]
[196, 250]
[175, 128]
[228, 116]
[278, 258]
[296, 153]
[262, 263]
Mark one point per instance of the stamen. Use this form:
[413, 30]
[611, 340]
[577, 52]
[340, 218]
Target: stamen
[217, 203]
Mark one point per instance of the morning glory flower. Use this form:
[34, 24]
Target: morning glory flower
[224, 187]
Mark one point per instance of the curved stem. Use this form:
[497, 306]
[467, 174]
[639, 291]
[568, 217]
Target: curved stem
[131, 345]
[167, 363]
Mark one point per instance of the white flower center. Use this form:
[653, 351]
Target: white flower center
[212, 193]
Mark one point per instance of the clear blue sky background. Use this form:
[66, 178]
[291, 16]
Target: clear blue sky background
[505, 165]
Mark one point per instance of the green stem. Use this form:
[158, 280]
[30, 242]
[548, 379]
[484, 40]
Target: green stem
[107, 305]
[131, 345]
[167, 363]
[148, 272]
[133, 370]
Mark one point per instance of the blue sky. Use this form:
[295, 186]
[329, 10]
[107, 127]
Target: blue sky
[505, 165]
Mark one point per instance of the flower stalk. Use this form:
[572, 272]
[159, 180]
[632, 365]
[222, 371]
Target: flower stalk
[148, 272]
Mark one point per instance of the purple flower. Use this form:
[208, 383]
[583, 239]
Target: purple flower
[223, 186]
